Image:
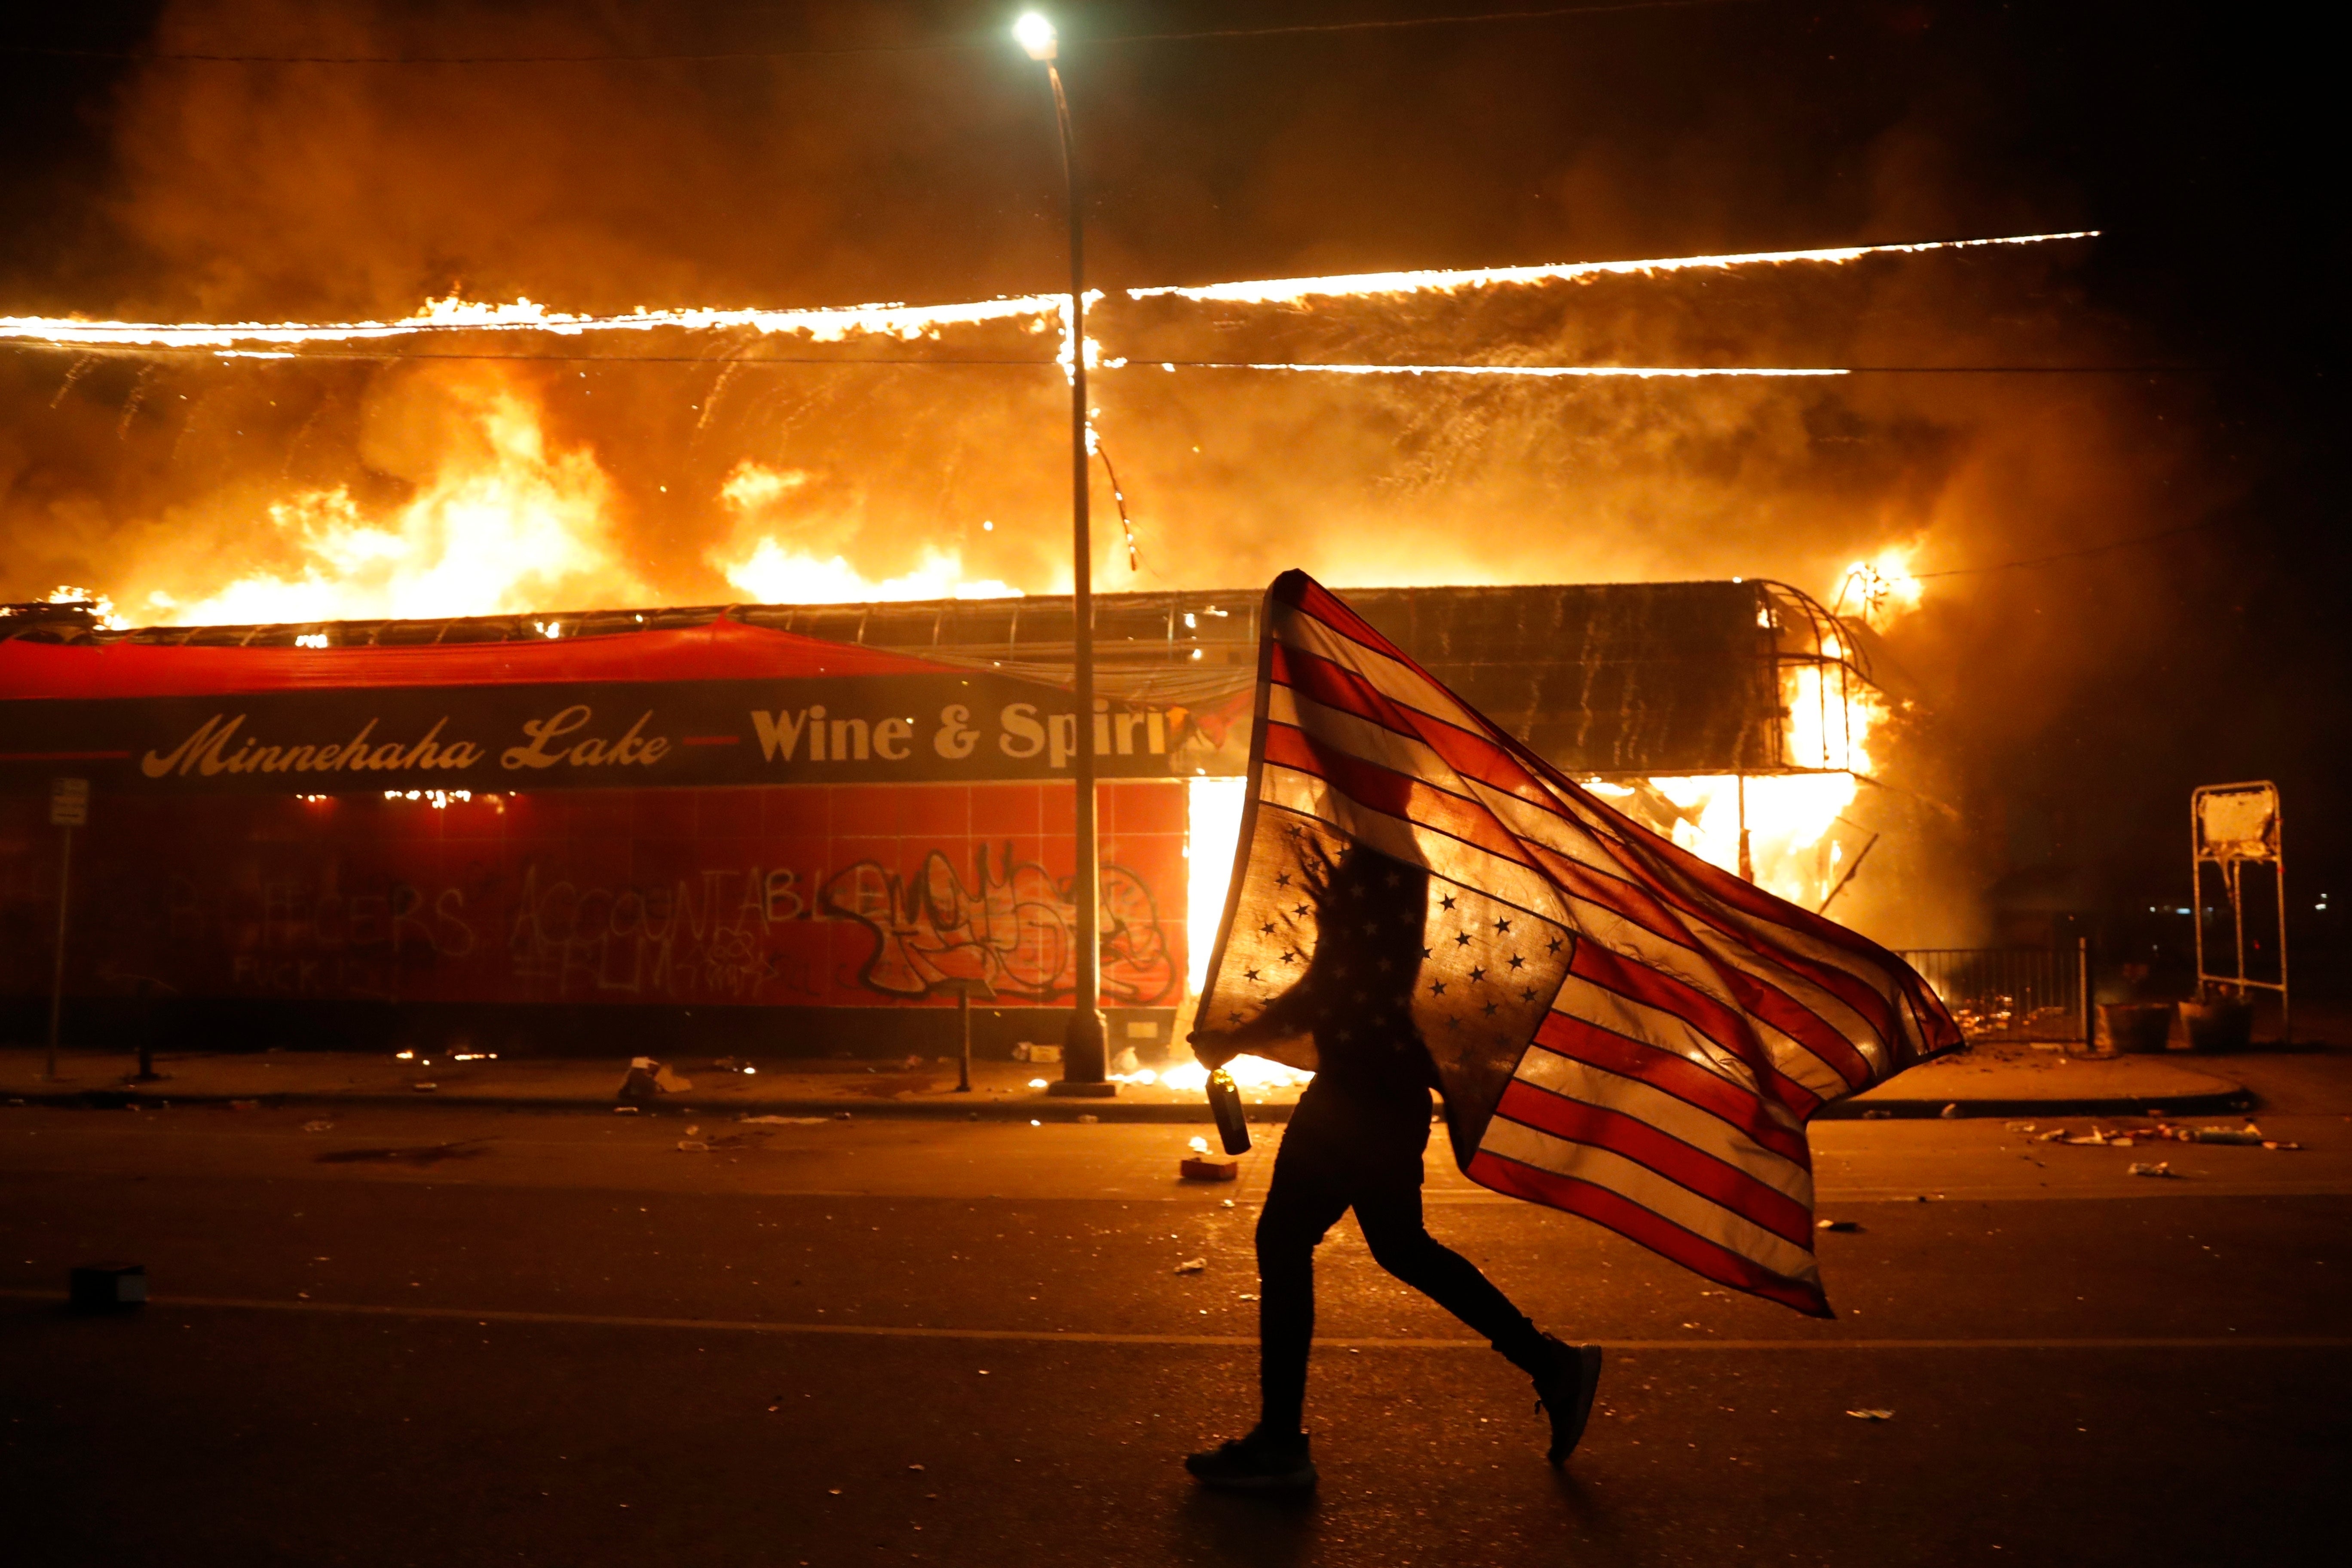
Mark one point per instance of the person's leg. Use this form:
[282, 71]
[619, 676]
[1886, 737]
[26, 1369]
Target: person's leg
[1402, 1243]
[1298, 1211]
[1566, 1376]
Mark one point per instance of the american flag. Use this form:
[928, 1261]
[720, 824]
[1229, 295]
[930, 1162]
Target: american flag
[1620, 1029]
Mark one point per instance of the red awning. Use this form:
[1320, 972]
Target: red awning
[723, 650]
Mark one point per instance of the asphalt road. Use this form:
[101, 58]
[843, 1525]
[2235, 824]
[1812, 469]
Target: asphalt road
[441, 1337]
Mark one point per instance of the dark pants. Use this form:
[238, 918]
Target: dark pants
[1339, 1155]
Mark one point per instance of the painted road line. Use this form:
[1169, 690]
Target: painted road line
[1049, 1336]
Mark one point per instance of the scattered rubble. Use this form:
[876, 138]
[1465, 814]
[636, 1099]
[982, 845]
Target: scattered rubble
[1837, 1225]
[2151, 1168]
[1872, 1415]
[320, 1126]
[1191, 1265]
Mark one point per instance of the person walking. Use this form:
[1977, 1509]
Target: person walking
[1356, 1141]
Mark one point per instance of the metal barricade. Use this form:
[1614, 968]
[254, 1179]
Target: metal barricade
[2009, 994]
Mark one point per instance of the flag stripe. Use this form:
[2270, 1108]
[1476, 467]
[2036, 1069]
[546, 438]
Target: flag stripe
[1647, 1144]
[1667, 1198]
[1664, 1072]
[1630, 1220]
[1729, 1029]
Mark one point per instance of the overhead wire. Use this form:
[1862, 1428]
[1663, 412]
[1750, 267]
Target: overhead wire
[939, 45]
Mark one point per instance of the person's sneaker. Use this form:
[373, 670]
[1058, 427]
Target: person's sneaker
[1256, 1463]
[1564, 1392]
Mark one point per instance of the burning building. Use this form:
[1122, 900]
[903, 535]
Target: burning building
[795, 829]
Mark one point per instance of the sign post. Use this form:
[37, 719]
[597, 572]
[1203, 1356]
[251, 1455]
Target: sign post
[69, 809]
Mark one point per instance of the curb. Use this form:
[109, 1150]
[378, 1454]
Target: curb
[1044, 1109]
[2217, 1103]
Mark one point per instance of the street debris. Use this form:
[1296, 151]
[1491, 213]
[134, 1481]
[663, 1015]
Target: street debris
[1877, 1115]
[2022, 1126]
[425, 1088]
[2151, 1168]
[785, 1121]
[2052, 1136]
[624, 1110]
[105, 1287]
[649, 1079]
[318, 1127]
[1950, 1112]
[245, 1105]
[914, 1467]
[1201, 1168]
[1089, 1118]
[1191, 1265]
[1839, 1225]
[2249, 1134]
[1872, 1415]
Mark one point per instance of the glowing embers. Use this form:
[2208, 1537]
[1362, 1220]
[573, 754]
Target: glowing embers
[438, 799]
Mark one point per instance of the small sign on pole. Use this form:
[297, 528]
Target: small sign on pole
[68, 803]
[69, 809]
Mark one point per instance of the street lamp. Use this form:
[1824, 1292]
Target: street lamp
[1085, 1059]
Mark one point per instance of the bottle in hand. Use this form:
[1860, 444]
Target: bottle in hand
[1225, 1105]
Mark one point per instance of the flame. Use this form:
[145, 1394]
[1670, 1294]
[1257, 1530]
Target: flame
[1641, 372]
[1356, 285]
[1882, 590]
[774, 572]
[503, 524]
[101, 608]
[1248, 1072]
[825, 324]
[831, 324]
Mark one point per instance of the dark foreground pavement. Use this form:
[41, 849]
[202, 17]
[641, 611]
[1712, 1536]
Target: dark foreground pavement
[443, 1337]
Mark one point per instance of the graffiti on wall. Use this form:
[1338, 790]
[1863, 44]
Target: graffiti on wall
[1013, 928]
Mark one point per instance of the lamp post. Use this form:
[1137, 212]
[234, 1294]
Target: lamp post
[1085, 1057]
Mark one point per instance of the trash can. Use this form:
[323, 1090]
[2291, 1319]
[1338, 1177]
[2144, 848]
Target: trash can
[2221, 1023]
[2134, 1027]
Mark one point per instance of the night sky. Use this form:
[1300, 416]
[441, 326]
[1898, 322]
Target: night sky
[2183, 379]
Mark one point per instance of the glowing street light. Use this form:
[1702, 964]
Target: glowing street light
[1036, 35]
[1085, 1064]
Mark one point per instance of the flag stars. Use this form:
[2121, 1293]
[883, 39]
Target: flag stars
[1290, 956]
[1249, 975]
[1282, 878]
[1266, 930]
[1437, 988]
[1492, 1008]
[1518, 962]
[1446, 903]
[1527, 992]
[1477, 971]
[1552, 946]
[1300, 910]
[1502, 925]
[1462, 938]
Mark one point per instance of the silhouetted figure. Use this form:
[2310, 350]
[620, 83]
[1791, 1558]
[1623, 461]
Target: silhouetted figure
[1356, 1141]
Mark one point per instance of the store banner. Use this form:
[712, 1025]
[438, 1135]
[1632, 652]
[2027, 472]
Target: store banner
[946, 726]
